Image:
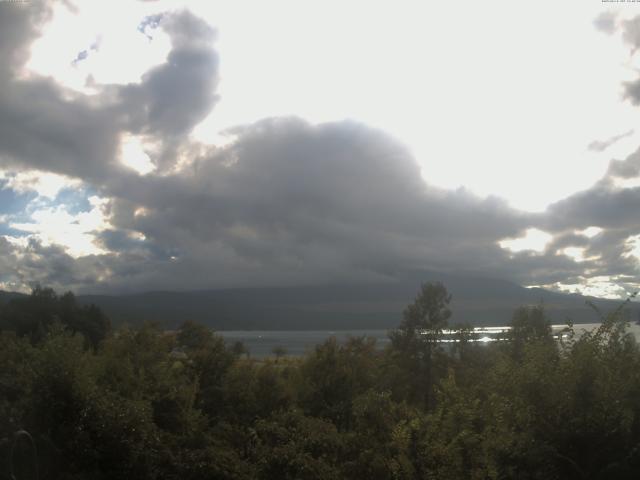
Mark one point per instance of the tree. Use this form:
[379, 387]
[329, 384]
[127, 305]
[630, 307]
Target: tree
[194, 336]
[239, 349]
[279, 351]
[294, 446]
[415, 341]
[333, 375]
[423, 320]
[529, 324]
[33, 316]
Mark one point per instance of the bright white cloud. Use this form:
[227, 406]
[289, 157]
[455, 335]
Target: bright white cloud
[626, 182]
[121, 54]
[11, 286]
[589, 232]
[133, 155]
[75, 233]
[602, 287]
[633, 244]
[534, 240]
[45, 184]
[578, 254]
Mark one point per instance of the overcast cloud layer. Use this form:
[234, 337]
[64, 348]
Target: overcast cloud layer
[286, 202]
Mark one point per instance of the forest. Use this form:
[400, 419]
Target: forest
[82, 400]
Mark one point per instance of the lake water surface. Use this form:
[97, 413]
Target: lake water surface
[297, 342]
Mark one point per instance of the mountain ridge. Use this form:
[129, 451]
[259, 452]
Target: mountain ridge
[475, 300]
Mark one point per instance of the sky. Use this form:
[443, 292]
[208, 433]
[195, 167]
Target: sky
[150, 145]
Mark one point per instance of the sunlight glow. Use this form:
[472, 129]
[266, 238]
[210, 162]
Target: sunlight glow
[75, 233]
[602, 287]
[140, 212]
[132, 155]
[116, 52]
[534, 240]
[576, 253]
[589, 232]
[633, 244]
[45, 184]
[625, 183]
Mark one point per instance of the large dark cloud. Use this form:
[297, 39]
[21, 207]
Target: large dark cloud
[313, 203]
[292, 201]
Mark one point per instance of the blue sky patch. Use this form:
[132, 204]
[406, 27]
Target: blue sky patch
[74, 200]
[12, 202]
[5, 229]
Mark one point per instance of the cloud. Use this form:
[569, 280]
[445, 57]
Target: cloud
[631, 36]
[177, 95]
[43, 184]
[288, 201]
[613, 208]
[631, 32]
[41, 129]
[23, 265]
[606, 22]
[627, 168]
[19, 25]
[56, 226]
[602, 145]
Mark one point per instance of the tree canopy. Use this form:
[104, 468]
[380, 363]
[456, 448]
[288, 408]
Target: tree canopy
[144, 403]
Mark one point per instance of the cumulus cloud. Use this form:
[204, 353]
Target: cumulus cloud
[292, 200]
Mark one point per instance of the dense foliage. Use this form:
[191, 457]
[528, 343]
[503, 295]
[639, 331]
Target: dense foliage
[143, 403]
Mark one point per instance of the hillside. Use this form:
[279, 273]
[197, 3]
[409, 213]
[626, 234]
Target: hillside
[7, 296]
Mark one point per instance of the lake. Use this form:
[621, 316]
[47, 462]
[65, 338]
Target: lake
[297, 342]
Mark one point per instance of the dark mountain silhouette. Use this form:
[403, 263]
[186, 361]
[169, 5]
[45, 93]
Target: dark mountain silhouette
[8, 296]
[479, 301]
